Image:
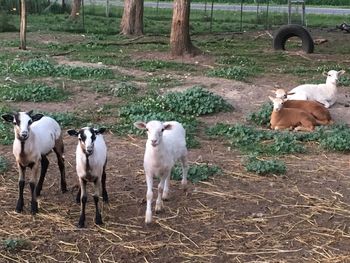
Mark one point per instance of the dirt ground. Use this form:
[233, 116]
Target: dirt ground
[237, 216]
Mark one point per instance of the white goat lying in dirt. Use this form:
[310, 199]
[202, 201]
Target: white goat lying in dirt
[316, 109]
[165, 145]
[35, 137]
[325, 93]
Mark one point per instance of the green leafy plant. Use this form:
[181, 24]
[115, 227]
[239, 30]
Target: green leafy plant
[43, 67]
[337, 138]
[195, 101]
[3, 164]
[162, 81]
[196, 173]
[232, 72]
[6, 129]
[15, 244]
[124, 89]
[32, 92]
[262, 116]
[264, 167]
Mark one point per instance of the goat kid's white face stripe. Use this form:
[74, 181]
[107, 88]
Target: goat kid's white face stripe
[86, 139]
[24, 122]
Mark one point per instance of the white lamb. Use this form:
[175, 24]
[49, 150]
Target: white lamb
[35, 137]
[91, 161]
[323, 93]
[165, 145]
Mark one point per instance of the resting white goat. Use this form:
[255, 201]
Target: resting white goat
[35, 137]
[91, 161]
[323, 93]
[165, 145]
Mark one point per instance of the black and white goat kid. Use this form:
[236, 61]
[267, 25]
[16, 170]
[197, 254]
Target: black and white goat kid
[91, 160]
[35, 137]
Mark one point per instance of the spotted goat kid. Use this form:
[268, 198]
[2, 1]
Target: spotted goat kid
[35, 137]
[91, 160]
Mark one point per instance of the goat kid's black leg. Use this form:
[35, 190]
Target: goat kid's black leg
[60, 161]
[34, 203]
[81, 223]
[98, 217]
[77, 199]
[20, 201]
[44, 165]
[104, 191]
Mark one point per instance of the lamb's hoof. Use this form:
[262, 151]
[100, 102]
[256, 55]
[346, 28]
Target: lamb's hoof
[159, 207]
[148, 218]
[64, 190]
[105, 199]
[38, 192]
[34, 208]
[98, 220]
[80, 225]
[19, 209]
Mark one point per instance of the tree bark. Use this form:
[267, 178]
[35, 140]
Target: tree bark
[75, 9]
[107, 8]
[23, 26]
[132, 20]
[180, 40]
[63, 5]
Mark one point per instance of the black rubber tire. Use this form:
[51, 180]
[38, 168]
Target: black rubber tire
[285, 32]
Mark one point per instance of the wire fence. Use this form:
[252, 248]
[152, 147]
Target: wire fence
[206, 16]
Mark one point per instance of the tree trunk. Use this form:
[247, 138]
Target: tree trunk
[23, 26]
[180, 41]
[75, 9]
[132, 20]
[63, 5]
[107, 8]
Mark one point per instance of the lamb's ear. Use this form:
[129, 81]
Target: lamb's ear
[341, 72]
[30, 113]
[73, 132]
[167, 126]
[272, 99]
[8, 117]
[325, 74]
[273, 90]
[100, 130]
[290, 93]
[140, 125]
[37, 116]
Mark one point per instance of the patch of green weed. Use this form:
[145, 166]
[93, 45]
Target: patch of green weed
[42, 67]
[264, 167]
[232, 72]
[3, 164]
[32, 92]
[14, 244]
[196, 173]
[124, 89]
[196, 101]
[262, 116]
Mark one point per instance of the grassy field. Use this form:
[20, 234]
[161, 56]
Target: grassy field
[297, 211]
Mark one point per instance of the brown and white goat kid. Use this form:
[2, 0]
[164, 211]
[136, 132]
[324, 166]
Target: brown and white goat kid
[91, 160]
[165, 145]
[35, 137]
[316, 109]
[290, 118]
